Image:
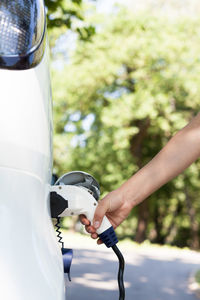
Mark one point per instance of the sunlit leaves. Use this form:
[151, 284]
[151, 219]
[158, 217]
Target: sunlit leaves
[134, 86]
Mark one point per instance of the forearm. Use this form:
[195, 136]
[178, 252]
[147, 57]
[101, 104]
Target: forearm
[177, 155]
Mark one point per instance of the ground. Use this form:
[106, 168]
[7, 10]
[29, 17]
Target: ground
[151, 272]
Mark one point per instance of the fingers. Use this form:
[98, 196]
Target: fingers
[84, 220]
[100, 212]
[88, 227]
[94, 236]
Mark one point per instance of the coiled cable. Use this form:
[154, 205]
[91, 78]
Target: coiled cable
[57, 225]
[120, 272]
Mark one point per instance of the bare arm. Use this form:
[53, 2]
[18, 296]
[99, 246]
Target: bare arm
[176, 156]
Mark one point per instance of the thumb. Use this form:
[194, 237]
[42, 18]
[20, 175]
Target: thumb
[100, 212]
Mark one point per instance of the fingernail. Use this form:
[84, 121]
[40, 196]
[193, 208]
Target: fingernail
[96, 224]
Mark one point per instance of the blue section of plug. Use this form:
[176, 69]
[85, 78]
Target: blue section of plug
[67, 260]
[109, 237]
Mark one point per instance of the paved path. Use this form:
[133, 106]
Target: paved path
[151, 273]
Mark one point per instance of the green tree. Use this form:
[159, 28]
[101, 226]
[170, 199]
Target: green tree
[67, 14]
[117, 103]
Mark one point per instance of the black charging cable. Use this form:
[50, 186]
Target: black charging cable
[120, 272]
[110, 239]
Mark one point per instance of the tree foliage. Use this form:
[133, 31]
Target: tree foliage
[117, 103]
[70, 14]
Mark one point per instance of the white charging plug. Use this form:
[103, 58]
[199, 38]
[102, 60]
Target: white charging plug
[80, 201]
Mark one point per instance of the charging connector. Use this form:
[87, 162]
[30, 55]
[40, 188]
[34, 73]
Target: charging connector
[77, 193]
[109, 237]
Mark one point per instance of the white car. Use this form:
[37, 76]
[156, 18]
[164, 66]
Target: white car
[31, 261]
[31, 266]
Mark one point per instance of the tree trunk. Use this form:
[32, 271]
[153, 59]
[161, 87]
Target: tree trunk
[136, 150]
[194, 228]
[143, 215]
[158, 224]
[172, 229]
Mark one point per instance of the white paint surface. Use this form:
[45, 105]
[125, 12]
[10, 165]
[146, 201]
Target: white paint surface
[31, 266]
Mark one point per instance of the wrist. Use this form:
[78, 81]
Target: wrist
[134, 190]
[127, 195]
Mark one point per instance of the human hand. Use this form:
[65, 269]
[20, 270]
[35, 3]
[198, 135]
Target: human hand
[114, 206]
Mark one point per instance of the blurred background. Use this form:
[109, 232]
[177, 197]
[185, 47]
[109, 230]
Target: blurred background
[125, 78]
